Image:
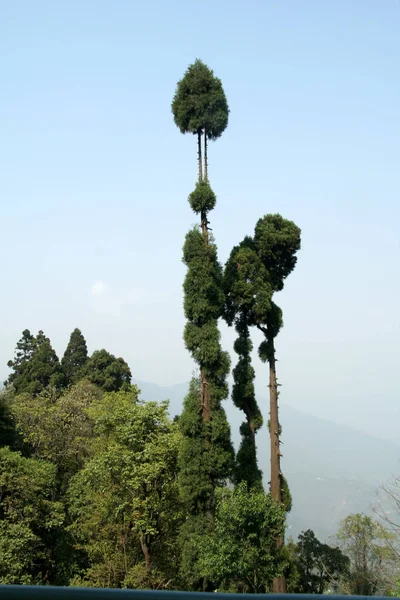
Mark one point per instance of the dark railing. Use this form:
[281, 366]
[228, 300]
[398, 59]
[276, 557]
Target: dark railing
[27, 592]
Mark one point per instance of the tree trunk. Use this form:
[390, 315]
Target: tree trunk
[199, 156]
[276, 492]
[279, 583]
[205, 156]
[146, 553]
[205, 401]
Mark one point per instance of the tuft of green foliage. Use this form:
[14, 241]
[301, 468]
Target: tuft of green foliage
[199, 104]
[277, 241]
[202, 199]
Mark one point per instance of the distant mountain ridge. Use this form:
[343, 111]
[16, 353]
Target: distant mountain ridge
[332, 470]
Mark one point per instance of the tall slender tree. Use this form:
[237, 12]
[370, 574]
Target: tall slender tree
[75, 357]
[247, 293]
[256, 270]
[277, 241]
[206, 457]
[23, 353]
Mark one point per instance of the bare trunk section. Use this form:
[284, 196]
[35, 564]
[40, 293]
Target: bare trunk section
[146, 552]
[205, 401]
[205, 156]
[279, 583]
[200, 159]
[276, 493]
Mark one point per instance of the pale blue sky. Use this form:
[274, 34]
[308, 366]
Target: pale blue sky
[94, 177]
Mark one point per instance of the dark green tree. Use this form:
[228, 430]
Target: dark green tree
[276, 242]
[108, 372]
[247, 293]
[206, 456]
[23, 353]
[75, 358]
[256, 270]
[35, 366]
[319, 565]
[200, 107]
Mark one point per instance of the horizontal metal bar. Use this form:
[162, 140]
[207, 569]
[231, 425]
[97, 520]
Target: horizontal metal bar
[34, 592]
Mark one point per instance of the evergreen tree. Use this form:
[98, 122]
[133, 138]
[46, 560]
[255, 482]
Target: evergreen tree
[256, 270]
[23, 353]
[75, 357]
[247, 298]
[108, 372]
[276, 241]
[35, 366]
[206, 457]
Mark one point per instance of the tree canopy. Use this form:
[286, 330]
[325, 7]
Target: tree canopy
[199, 104]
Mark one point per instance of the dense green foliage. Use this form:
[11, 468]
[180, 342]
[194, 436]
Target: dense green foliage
[124, 503]
[247, 297]
[320, 566]
[241, 552]
[29, 518]
[199, 104]
[75, 357]
[108, 372]
[35, 365]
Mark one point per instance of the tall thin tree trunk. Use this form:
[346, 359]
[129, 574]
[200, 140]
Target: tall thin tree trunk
[276, 492]
[200, 158]
[205, 397]
[205, 156]
[279, 583]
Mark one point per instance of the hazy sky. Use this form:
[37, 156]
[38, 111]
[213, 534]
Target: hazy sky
[94, 177]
